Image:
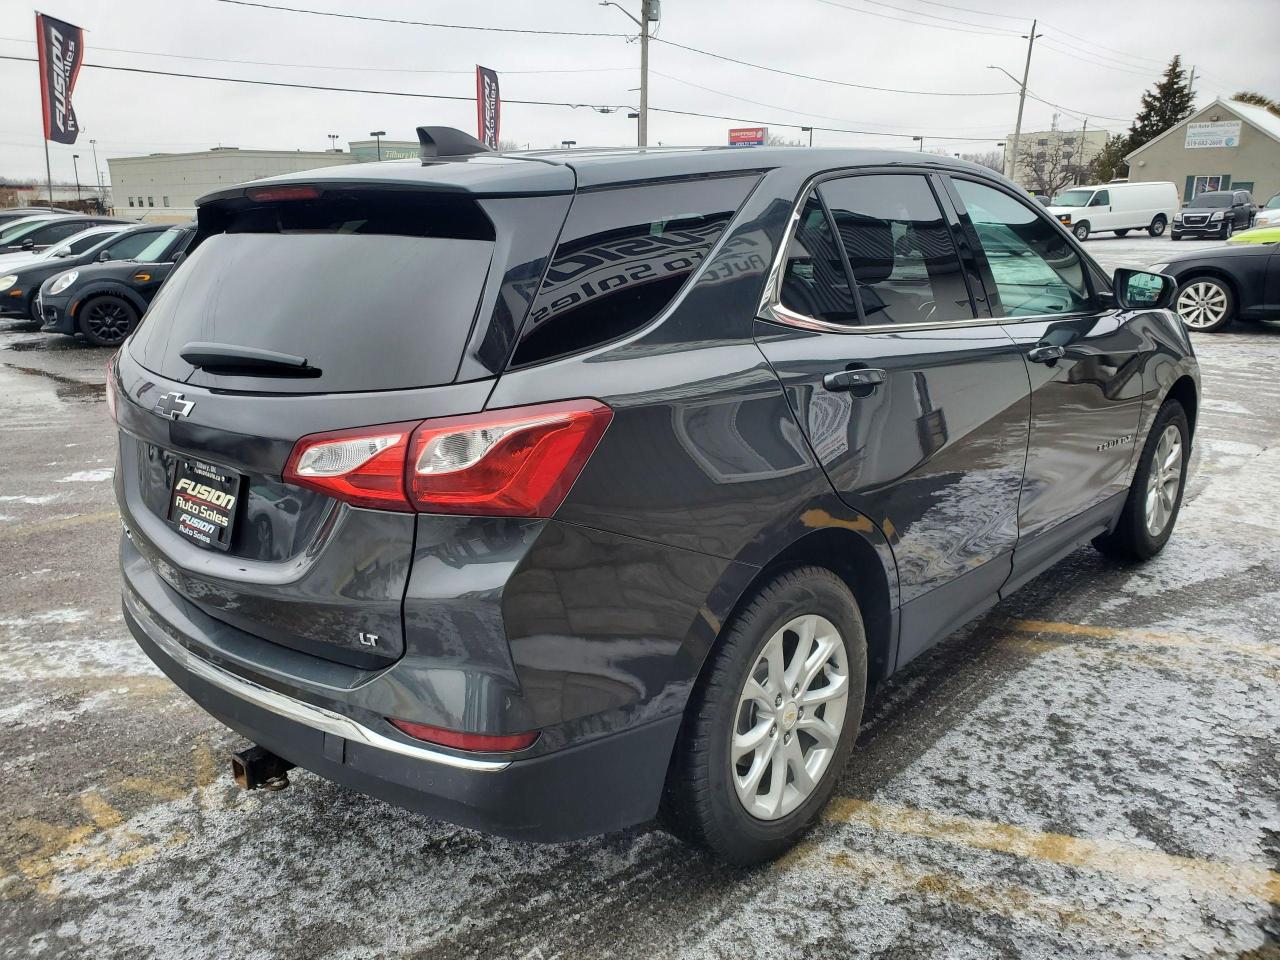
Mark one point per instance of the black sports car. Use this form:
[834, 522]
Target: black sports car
[19, 286]
[105, 301]
[1222, 284]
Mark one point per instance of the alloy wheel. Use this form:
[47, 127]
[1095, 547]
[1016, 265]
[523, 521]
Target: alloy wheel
[1202, 304]
[108, 321]
[790, 715]
[1164, 480]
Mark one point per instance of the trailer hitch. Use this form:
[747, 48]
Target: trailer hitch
[258, 768]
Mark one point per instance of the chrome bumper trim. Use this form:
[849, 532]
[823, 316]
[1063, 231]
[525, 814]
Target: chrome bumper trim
[310, 715]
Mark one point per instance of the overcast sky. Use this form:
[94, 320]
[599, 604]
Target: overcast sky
[1079, 64]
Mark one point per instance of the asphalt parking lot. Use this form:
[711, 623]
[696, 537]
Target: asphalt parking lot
[1090, 770]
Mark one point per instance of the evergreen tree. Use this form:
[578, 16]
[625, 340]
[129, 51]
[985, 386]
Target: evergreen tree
[1258, 100]
[1109, 164]
[1168, 103]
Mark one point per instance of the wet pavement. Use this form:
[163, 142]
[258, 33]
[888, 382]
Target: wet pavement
[1090, 770]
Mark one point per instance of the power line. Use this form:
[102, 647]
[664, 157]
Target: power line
[423, 23]
[803, 113]
[470, 99]
[981, 13]
[328, 66]
[670, 43]
[839, 83]
[981, 28]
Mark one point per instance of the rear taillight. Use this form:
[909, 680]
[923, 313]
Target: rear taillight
[111, 387]
[518, 462]
[477, 742]
[275, 194]
[364, 467]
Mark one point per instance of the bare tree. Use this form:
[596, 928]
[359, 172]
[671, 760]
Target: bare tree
[991, 159]
[507, 146]
[778, 140]
[1049, 163]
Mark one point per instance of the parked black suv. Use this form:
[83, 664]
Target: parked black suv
[600, 482]
[1218, 213]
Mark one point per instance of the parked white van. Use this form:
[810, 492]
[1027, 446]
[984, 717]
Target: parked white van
[1119, 207]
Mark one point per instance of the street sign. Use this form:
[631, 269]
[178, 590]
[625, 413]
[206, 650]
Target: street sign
[748, 136]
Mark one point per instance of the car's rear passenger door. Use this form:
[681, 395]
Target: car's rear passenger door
[911, 396]
[1084, 365]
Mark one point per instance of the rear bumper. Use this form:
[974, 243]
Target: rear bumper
[596, 787]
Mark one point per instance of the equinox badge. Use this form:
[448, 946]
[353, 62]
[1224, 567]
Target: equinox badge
[173, 405]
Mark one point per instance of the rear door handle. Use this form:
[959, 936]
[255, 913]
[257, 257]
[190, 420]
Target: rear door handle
[853, 379]
[1046, 353]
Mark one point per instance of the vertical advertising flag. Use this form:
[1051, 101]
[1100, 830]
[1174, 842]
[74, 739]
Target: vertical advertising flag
[61, 51]
[488, 107]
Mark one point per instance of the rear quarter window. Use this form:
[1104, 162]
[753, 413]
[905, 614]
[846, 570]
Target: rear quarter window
[623, 256]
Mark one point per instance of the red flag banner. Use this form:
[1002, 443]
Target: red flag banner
[488, 107]
[61, 51]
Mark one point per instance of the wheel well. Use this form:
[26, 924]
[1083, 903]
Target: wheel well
[1184, 391]
[854, 561]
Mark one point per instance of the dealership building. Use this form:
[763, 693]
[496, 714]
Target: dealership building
[164, 187]
[1226, 145]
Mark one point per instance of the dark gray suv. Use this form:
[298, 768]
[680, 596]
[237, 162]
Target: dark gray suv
[549, 492]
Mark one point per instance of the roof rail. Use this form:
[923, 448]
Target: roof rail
[435, 143]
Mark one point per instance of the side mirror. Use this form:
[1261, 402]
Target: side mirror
[104, 257]
[177, 261]
[28, 244]
[1143, 290]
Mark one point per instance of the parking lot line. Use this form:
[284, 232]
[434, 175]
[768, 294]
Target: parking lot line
[1013, 901]
[1116, 858]
[59, 523]
[1148, 637]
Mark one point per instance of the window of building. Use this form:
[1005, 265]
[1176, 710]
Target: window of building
[131, 201]
[151, 201]
[1036, 271]
[166, 201]
[904, 263]
[1042, 143]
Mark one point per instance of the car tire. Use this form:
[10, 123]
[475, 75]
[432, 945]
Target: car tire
[1158, 225]
[1121, 233]
[1081, 230]
[1174, 235]
[708, 789]
[1205, 304]
[1157, 489]
[106, 320]
[1225, 232]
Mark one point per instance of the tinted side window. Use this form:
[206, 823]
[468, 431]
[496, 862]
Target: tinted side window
[126, 248]
[57, 231]
[623, 256]
[815, 282]
[1100, 199]
[81, 244]
[899, 248]
[1035, 269]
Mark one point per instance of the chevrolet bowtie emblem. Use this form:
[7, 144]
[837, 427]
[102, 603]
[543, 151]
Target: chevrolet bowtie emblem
[173, 405]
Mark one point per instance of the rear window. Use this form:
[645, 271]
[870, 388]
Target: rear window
[379, 292]
[624, 254]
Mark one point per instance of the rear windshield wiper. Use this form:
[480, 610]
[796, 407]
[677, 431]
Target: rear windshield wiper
[232, 360]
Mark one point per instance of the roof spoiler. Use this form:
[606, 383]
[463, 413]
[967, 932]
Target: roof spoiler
[435, 143]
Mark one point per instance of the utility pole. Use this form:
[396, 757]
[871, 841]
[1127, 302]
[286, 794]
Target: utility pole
[1022, 95]
[650, 12]
[97, 170]
[1084, 147]
[1191, 86]
[642, 135]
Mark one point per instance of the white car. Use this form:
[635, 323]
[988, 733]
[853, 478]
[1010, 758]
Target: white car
[1118, 207]
[1269, 213]
[76, 243]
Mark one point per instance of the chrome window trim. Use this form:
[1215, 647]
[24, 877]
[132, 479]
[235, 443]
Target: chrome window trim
[771, 306]
[307, 714]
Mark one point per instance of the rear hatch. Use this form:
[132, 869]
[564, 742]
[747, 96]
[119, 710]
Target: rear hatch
[305, 310]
